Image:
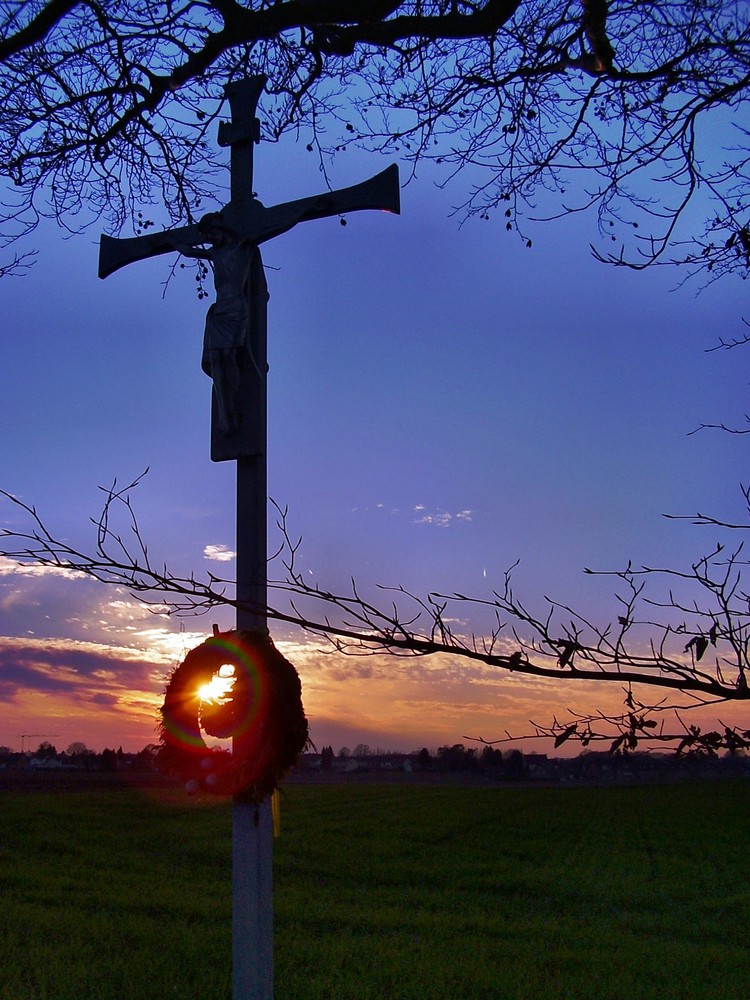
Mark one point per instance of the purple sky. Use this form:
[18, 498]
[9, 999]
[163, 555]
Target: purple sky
[443, 402]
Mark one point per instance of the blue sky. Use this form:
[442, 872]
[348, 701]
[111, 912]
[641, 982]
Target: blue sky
[443, 401]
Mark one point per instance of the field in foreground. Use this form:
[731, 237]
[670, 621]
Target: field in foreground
[385, 893]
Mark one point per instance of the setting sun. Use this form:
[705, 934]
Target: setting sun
[219, 689]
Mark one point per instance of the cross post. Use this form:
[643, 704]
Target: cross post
[235, 357]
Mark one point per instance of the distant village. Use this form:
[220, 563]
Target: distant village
[476, 765]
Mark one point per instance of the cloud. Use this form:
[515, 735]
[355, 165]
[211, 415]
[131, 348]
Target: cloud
[10, 567]
[65, 665]
[85, 610]
[402, 702]
[90, 691]
[104, 699]
[421, 514]
[37, 599]
[416, 701]
[219, 553]
[441, 518]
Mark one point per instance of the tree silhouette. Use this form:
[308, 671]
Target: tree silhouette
[556, 107]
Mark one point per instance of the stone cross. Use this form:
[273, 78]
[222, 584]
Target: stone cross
[234, 355]
[230, 239]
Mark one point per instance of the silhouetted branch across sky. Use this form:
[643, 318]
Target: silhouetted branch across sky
[693, 642]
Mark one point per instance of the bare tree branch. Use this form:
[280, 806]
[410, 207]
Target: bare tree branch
[586, 106]
[19, 265]
[697, 650]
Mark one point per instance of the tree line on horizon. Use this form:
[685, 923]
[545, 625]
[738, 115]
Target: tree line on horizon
[485, 761]
[78, 755]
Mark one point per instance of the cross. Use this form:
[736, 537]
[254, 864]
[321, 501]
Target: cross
[234, 355]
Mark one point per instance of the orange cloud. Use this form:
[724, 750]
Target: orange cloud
[102, 695]
[407, 702]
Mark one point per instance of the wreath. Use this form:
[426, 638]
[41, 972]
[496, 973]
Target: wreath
[235, 684]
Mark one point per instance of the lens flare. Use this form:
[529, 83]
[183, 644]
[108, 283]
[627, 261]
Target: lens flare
[218, 691]
[246, 700]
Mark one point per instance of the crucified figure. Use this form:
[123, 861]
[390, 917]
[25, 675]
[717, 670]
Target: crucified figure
[234, 345]
[225, 341]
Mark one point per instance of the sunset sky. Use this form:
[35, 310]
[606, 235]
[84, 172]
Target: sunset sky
[443, 402]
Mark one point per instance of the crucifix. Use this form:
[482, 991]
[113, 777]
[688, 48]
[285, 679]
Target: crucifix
[234, 356]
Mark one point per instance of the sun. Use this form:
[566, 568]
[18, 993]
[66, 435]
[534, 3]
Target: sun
[218, 691]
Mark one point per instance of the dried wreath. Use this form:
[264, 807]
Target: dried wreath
[235, 684]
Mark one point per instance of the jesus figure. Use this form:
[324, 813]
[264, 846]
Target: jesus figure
[225, 341]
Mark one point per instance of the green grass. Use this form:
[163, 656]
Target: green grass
[385, 892]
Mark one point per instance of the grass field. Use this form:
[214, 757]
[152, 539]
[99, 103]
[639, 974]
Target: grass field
[385, 893]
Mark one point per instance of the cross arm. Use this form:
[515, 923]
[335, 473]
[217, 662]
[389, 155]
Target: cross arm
[379, 192]
[116, 253]
[253, 223]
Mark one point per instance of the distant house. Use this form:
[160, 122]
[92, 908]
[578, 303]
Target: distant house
[540, 768]
[46, 763]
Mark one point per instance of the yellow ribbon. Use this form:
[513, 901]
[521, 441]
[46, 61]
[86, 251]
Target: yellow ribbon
[276, 813]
